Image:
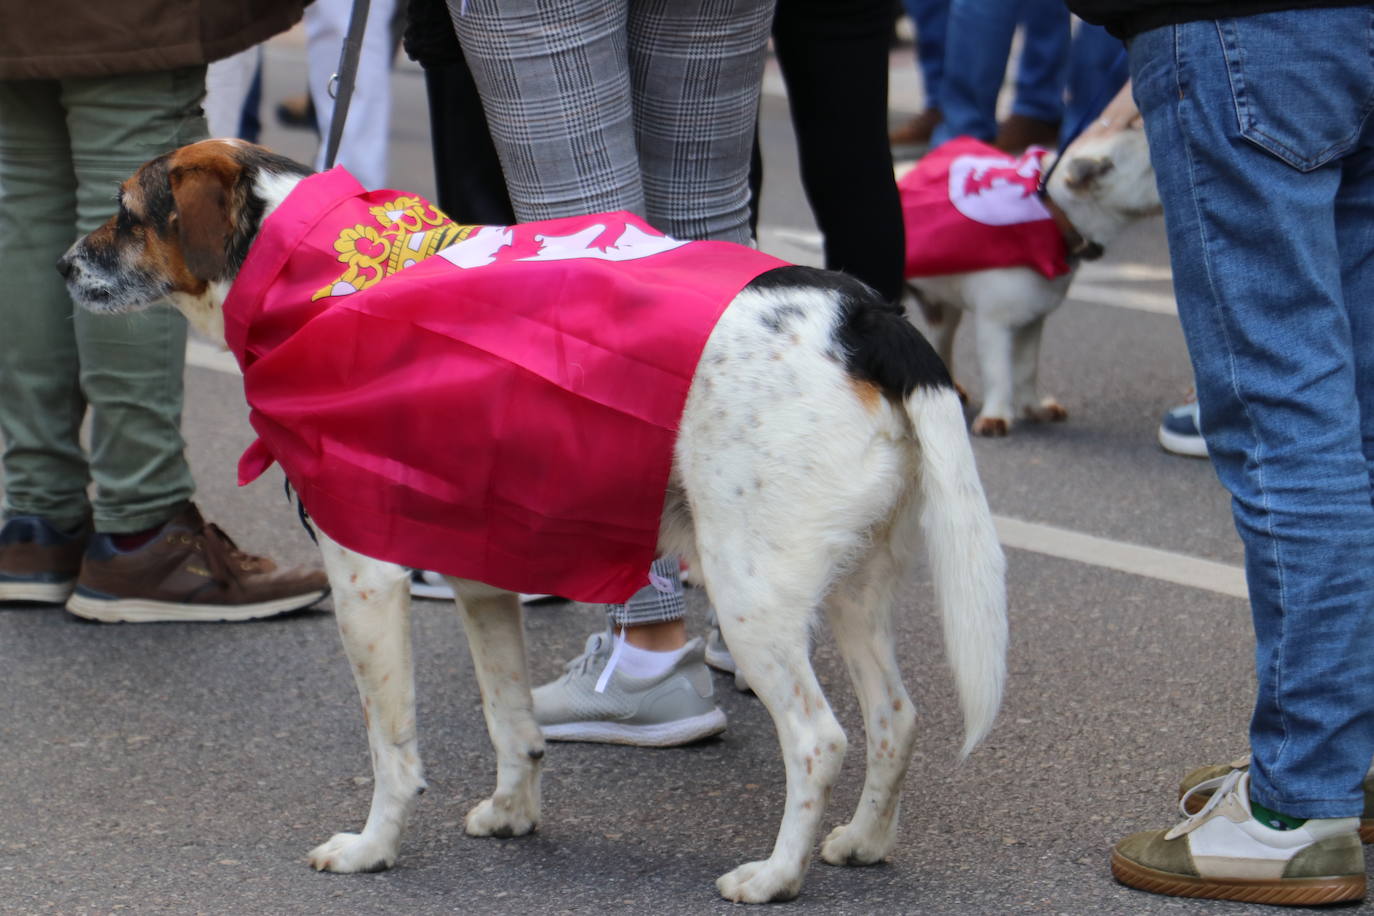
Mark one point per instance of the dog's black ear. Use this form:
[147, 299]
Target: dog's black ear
[202, 183]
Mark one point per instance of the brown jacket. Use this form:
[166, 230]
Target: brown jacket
[52, 39]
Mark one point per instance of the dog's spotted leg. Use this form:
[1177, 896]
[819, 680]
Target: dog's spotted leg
[995, 364]
[372, 607]
[1025, 358]
[861, 620]
[767, 632]
[495, 631]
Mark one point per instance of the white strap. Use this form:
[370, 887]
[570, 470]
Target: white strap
[605, 678]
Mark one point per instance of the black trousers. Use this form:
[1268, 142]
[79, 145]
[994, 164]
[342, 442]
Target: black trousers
[833, 55]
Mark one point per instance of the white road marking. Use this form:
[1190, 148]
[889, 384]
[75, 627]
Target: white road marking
[1123, 270]
[209, 356]
[1118, 297]
[1152, 563]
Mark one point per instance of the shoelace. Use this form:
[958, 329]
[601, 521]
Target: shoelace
[595, 648]
[224, 558]
[1220, 786]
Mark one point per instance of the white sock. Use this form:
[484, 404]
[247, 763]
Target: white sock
[646, 663]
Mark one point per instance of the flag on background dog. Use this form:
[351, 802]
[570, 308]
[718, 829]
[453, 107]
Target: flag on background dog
[969, 206]
[498, 403]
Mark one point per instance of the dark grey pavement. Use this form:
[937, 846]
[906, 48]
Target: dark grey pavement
[189, 768]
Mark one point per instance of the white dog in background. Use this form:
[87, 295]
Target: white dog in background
[1103, 184]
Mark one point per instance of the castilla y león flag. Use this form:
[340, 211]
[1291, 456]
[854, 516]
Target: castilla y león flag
[969, 206]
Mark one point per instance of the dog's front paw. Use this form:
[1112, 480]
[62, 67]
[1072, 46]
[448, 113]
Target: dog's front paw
[990, 426]
[352, 852]
[760, 882]
[1049, 411]
[844, 846]
[500, 820]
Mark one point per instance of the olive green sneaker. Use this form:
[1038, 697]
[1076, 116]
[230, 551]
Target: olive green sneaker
[1224, 853]
[586, 704]
[1193, 792]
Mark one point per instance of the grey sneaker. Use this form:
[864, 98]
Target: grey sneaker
[677, 708]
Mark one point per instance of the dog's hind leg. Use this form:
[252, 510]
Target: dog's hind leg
[995, 364]
[372, 607]
[942, 324]
[764, 606]
[496, 637]
[1025, 364]
[860, 614]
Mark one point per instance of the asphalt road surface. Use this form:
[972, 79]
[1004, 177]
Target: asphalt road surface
[189, 768]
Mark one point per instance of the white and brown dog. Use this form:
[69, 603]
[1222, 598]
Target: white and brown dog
[1103, 184]
[857, 430]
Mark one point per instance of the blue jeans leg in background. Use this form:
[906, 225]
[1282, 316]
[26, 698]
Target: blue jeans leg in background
[1271, 235]
[977, 43]
[931, 18]
[1044, 63]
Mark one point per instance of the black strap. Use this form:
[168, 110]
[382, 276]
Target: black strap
[342, 82]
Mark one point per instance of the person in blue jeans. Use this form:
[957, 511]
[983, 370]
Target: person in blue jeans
[978, 38]
[1058, 79]
[1263, 146]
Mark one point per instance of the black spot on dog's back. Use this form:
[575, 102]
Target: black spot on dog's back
[876, 341]
[778, 319]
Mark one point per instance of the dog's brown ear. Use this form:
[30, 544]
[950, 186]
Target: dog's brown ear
[203, 182]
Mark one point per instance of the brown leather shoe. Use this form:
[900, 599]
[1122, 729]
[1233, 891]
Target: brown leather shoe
[1018, 132]
[191, 571]
[917, 131]
[38, 563]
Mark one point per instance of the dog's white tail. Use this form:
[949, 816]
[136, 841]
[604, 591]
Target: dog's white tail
[966, 559]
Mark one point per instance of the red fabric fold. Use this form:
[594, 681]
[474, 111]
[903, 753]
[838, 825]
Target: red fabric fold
[499, 412]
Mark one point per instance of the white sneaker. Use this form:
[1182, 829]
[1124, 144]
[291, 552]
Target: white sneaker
[1224, 853]
[426, 584]
[1180, 431]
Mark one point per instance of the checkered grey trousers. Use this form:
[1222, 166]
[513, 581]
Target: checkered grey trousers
[640, 105]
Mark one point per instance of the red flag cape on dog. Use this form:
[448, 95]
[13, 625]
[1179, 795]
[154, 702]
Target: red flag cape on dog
[969, 206]
[502, 411]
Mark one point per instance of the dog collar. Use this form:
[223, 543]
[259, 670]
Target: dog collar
[1079, 246]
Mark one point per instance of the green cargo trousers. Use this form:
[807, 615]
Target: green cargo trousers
[65, 145]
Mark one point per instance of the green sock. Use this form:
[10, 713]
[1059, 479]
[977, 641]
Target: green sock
[1275, 820]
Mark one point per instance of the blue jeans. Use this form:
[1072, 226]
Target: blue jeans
[1260, 133]
[977, 42]
[931, 18]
